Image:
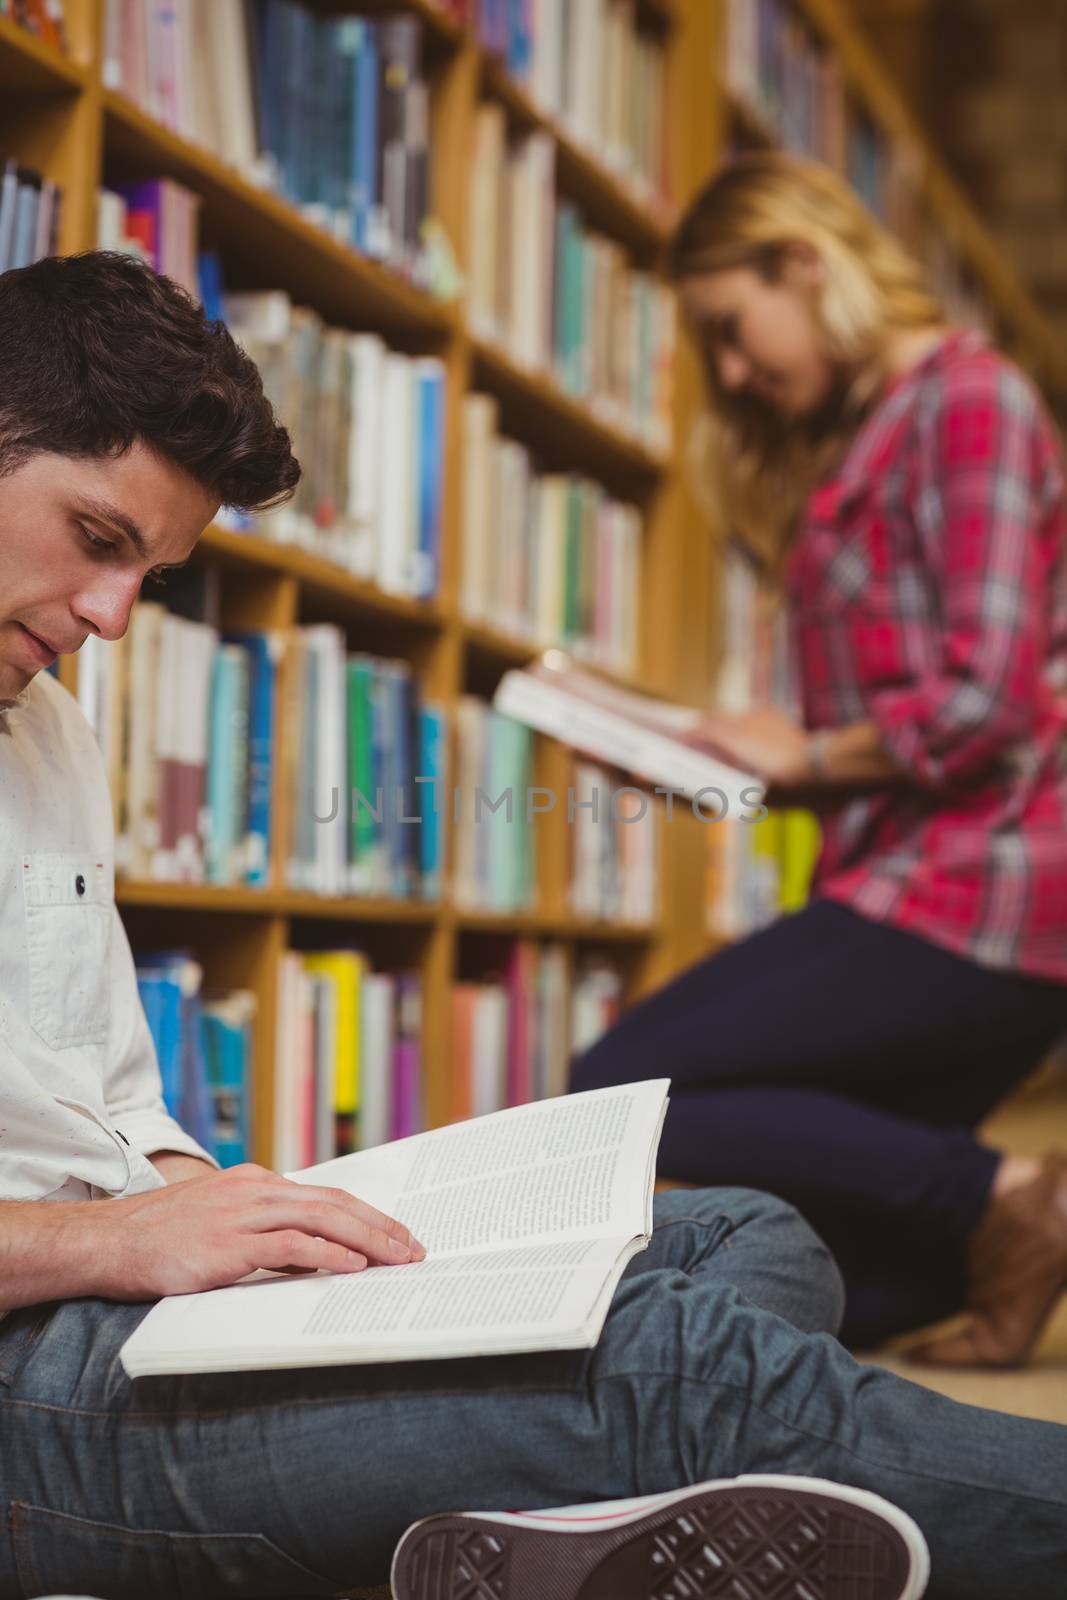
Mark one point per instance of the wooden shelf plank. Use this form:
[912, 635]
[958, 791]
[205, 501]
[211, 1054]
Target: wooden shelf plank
[29, 66]
[292, 903]
[271, 902]
[319, 576]
[565, 429]
[355, 909]
[607, 200]
[531, 924]
[195, 897]
[268, 242]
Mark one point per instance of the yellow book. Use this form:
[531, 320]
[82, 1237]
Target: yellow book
[345, 969]
[800, 847]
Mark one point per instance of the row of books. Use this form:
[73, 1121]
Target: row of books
[548, 557]
[796, 85]
[46, 18]
[186, 719]
[204, 1046]
[365, 764]
[758, 870]
[590, 67]
[755, 870]
[368, 425]
[513, 1035]
[614, 848]
[367, 422]
[773, 62]
[157, 220]
[332, 112]
[561, 298]
[493, 862]
[29, 215]
[348, 1057]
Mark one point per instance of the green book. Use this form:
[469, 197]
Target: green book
[362, 828]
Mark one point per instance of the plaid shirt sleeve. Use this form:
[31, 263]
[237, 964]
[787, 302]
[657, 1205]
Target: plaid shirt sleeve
[980, 496]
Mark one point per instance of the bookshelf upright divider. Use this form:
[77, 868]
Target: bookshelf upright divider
[56, 114]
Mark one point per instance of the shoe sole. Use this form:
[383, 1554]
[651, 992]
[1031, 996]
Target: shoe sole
[767, 1538]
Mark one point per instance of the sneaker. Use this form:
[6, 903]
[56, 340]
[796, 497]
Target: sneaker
[752, 1538]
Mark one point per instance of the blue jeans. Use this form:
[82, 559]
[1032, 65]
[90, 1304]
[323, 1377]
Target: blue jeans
[717, 1358]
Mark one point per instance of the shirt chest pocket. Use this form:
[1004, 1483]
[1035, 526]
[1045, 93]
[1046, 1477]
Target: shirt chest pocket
[69, 909]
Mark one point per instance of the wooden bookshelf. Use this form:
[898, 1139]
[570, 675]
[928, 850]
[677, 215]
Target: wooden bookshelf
[55, 113]
[869, 84]
[28, 66]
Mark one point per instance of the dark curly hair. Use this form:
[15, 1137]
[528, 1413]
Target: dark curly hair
[97, 351]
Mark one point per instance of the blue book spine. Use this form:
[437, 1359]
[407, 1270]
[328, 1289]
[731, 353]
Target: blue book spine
[210, 285]
[365, 137]
[267, 54]
[262, 688]
[518, 38]
[161, 998]
[431, 400]
[196, 1115]
[226, 1052]
[433, 801]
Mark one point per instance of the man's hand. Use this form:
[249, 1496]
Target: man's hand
[212, 1230]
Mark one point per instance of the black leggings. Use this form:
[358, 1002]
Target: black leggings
[842, 1064]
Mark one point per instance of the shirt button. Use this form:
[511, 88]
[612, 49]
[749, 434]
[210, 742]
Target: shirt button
[79, 884]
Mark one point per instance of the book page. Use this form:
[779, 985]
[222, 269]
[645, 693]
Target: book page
[665, 716]
[553, 1170]
[553, 1296]
[528, 1215]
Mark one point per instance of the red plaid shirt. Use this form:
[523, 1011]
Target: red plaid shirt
[927, 594]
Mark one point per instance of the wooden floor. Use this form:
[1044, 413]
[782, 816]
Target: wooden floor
[1029, 1126]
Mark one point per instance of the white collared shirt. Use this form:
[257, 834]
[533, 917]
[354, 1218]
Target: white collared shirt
[81, 1104]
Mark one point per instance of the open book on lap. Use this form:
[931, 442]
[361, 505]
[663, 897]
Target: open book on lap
[644, 736]
[529, 1217]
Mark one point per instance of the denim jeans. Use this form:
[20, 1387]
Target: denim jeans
[717, 1358]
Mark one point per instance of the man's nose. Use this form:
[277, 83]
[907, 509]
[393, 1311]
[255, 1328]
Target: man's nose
[105, 608]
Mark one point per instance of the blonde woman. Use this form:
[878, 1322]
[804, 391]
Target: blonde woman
[901, 484]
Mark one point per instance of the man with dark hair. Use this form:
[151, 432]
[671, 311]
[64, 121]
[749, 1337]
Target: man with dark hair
[125, 420]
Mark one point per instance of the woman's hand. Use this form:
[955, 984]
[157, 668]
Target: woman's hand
[764, 742]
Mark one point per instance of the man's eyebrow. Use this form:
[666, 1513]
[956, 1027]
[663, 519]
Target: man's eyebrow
[104, 511]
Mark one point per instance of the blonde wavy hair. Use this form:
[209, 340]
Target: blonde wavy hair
[757, 467]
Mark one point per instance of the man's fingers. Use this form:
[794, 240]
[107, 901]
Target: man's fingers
[288, 1247]
[308, 1214]
[379, 1220]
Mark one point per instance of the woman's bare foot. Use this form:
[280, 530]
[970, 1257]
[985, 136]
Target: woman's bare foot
[1017, 1263]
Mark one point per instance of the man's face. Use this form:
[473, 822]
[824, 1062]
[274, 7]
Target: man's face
[77, 538]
